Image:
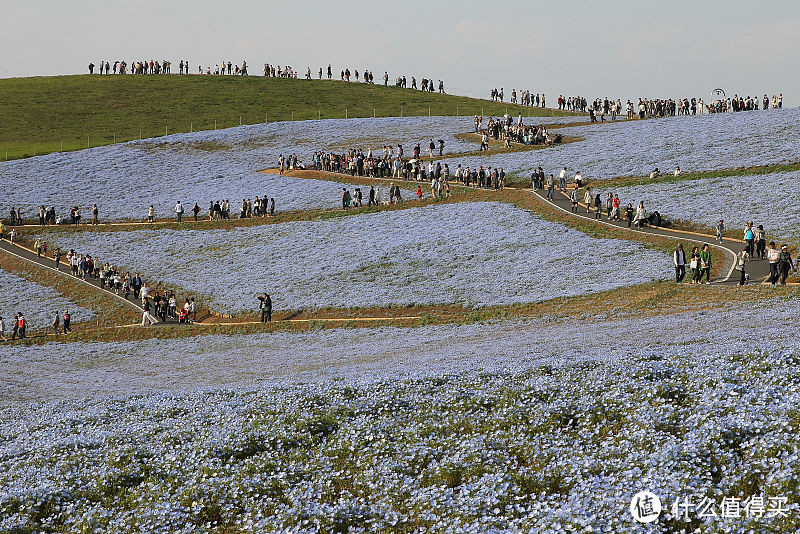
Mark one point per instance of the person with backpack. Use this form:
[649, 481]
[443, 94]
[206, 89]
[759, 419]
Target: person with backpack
[574, 199]
[742, 259]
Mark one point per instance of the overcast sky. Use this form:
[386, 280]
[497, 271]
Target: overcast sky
[618, 49]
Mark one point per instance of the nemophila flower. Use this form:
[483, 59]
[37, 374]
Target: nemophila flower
[37, 303]
[700, 142]
[125, 179]
[765, 199]
[473, 254]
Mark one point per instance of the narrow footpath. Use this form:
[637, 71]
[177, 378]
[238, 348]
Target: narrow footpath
[758, 270]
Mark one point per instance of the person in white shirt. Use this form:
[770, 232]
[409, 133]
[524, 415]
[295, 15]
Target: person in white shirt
[3, 329]
[677, 170]
[679, 261]
[562, 179]
[578, 179]
[179, 210]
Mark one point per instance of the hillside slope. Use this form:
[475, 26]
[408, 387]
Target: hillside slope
[48, 114]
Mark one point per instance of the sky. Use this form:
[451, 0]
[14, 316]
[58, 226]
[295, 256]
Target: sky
[620, 49]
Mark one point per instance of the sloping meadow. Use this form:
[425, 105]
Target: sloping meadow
[472, 254]
[125, 179]
[37, 303]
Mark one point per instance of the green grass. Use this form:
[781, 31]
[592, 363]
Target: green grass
[669, 178]
[43, 114]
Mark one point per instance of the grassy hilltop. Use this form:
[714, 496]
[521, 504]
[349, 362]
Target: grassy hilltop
[38, 114]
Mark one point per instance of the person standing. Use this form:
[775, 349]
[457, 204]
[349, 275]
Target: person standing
[195, 211]
[56, 323]
[574, 199]
[265, 305]
[720, 229]
[598, 207]
[15, 329]
[785, 264]
[23, 325]
[57, 258]
[587, 199]
[38, 246]
[179, 210]
[67, 321]
[136, 285]
[266, 314]
[773, 257]
[95, 212]
[679, 260]
[562, 179]
[742, 260]
[3, 329]
[151, 213]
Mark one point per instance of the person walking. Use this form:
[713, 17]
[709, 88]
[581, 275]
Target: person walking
[551, 187]
[705, 264]
[785, 264]
[694, 264]
[629, 214]
[749, 237]
[56, 323]
[742, 259]
[67, 321]
[761, 243]
[57, 258]
[574, 199]
[720, 229]
[146, 316]
[598, 206]
[3, 329]
[773, 257]
[679, 260]
[587, 199]
[196, 211]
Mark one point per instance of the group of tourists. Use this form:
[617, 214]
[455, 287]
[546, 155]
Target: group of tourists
[19, 326]
[507, 130]
[138, 67]
[524, 98]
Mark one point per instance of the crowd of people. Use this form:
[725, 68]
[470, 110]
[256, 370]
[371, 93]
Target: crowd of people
[648, 108]
[507, 130]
